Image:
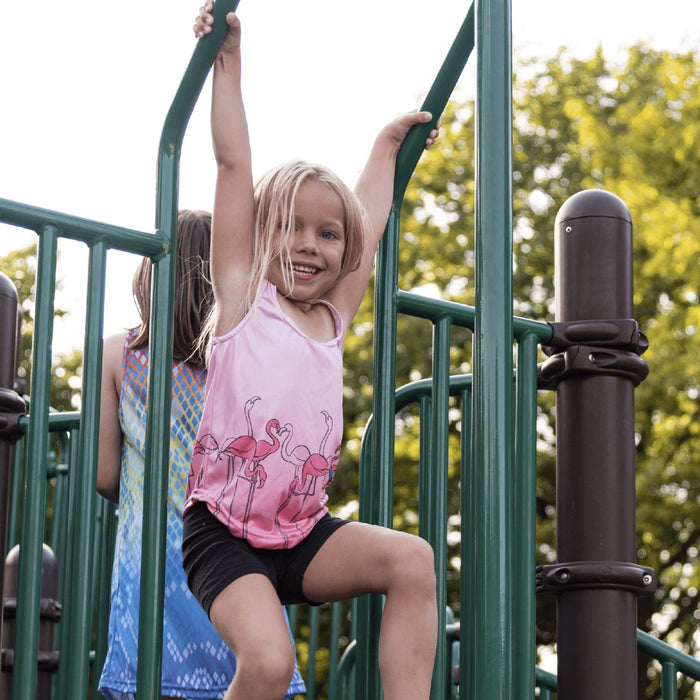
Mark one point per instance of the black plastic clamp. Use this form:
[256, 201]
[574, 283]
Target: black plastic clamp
[560, 578]
[610, 346]
[12, 408]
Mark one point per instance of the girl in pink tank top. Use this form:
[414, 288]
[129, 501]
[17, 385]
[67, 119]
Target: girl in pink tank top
[291, 260]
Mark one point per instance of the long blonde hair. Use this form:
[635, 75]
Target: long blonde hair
[275, 197]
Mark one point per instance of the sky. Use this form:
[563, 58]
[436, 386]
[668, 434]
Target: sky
[86, 88]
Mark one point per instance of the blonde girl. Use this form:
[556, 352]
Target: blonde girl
[291, 261]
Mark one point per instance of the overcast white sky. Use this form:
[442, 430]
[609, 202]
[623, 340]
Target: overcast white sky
[86, 87]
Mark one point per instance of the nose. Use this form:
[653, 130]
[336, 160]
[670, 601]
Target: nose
[305, 241]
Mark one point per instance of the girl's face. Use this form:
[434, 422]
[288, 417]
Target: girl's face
[314, 250]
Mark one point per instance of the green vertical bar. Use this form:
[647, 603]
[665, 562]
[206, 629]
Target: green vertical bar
[466, 578]
[83, 507]
[292, 612]
[160, 352]
[333, 647]
[60, 502]
[524, 493]
[434, 529]
[493, 359]
[157, 442]
[65, 642]
[376, 472]
[18, 454]
[106, 526]
[24, 675]
[313, 648]
[156, 476]
[669, 681]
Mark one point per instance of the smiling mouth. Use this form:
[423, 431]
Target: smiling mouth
[303, 271]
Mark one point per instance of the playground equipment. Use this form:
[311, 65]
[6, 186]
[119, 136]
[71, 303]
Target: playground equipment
[493, 644]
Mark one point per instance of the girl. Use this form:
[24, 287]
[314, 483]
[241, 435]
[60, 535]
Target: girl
[291, 260]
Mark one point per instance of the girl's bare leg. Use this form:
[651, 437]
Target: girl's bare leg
[360, 558]
[249, 617]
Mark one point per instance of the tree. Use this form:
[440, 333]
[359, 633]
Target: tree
[630, 128]
[20, 267]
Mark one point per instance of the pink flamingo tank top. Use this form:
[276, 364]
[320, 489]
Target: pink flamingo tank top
[271, 431]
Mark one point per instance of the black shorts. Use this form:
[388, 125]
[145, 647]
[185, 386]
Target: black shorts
[213, 558]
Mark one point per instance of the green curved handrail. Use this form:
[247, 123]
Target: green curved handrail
[434, 102]
[159, 390]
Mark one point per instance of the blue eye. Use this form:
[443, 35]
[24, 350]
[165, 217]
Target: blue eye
[328, 235]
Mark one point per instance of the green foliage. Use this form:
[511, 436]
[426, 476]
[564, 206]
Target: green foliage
[20, 267]
[631, 129]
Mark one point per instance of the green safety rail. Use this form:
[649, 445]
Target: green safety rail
[490, 652]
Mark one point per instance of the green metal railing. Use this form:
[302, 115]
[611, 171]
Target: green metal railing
[495, 655]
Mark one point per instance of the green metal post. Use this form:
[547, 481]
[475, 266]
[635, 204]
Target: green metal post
[65, 641]
[34, 479]
[105, 532]
[79, 605]
[433, 503]
[333, 648]
[524, 493]
[669, 681]
[160, 354]
[492, 555]
[376, 469]
[313, 648]
[466, 577]
[15, 491]
[376, 473]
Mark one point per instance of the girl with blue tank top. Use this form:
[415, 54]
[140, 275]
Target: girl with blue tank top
[196, 662]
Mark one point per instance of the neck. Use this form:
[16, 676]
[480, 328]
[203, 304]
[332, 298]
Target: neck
[304, 306]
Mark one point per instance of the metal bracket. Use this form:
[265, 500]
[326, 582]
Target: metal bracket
[12, 408]
[560, 578]
[611, 346]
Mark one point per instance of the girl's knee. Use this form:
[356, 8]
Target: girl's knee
[423, 559]
[415, 565]
[268, 668]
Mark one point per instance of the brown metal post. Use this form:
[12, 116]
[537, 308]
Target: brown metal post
[50, 614]
[11, 405]
[595, 366]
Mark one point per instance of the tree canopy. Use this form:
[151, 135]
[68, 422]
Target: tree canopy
[630, 128]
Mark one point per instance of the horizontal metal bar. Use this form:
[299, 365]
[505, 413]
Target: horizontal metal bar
[665, 652]
[463, 315]
[58, 422]
[153, 245]
[545, 679]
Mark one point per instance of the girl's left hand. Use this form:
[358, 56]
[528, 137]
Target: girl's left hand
[204, 20]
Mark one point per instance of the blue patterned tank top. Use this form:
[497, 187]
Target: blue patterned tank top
[196, 662]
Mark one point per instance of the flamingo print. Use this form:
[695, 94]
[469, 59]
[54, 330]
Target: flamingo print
[205, 445]
[242, 447]
[308, 468]
[253, 472]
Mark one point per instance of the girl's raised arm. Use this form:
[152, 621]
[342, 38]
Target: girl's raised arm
[375, 189]
[233, 215]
